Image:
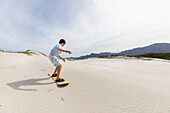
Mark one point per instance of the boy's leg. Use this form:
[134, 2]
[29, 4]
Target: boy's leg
[58, 71]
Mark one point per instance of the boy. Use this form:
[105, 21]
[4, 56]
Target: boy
[55, 55]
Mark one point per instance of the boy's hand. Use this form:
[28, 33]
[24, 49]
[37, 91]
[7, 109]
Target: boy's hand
[63, 60]
[69, 52]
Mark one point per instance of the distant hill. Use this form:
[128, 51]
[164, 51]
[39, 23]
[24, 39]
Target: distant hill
[154, 48]
[92, 55]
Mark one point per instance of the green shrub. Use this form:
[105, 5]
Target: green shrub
[156, 55]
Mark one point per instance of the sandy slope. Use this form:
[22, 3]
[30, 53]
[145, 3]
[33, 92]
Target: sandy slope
[96, 86]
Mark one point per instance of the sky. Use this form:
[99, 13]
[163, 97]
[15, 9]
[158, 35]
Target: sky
[88, 26]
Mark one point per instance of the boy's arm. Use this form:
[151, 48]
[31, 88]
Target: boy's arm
[61, 58]
[62, 50]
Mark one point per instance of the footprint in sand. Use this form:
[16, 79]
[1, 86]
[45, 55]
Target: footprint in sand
[62, 99]
[50, 90]
[12, 67]
[43, 70]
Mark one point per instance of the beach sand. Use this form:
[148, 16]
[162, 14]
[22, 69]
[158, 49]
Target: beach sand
[118, 85]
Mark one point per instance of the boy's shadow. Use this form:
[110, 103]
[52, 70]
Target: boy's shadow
[18, 84]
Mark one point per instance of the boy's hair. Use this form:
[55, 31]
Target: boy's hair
[62, 41]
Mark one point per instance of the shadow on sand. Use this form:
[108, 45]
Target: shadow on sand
[29, 82]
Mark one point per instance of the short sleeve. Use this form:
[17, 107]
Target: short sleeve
[59, 46]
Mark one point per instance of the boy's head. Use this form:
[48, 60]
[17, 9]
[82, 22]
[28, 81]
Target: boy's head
[62, 42]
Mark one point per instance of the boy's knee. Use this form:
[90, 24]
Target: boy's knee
[60, 66]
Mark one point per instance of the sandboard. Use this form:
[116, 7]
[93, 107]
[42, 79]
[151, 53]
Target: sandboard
[59, 83]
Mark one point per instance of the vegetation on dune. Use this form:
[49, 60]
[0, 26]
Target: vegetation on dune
[1, 50]
[42, 53]
[165, 56]
[108, 56]
[155, 55]
[27, 52]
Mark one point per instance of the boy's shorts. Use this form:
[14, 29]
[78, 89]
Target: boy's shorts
[54, 60]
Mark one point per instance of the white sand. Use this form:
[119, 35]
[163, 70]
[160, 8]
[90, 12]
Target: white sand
[96, 86]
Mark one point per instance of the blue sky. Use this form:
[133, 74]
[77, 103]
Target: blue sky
[87, 25]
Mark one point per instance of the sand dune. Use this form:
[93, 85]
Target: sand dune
[119, 85]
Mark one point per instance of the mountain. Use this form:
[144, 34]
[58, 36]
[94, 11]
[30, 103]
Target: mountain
[154, 48]
[92, 55]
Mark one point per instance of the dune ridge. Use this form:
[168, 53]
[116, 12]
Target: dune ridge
[117, 85]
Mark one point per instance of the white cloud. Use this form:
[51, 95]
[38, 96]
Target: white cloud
[88, 26]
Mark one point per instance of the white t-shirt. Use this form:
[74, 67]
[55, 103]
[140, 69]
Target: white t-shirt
[55, 51]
